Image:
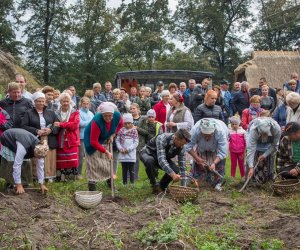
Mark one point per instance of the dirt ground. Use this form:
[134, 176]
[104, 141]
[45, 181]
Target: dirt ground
[35, 221]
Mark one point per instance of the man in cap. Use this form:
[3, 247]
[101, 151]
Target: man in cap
[210, 136]
[17, 145]
[158, 154]
[156, 96]
[262, 141]
[288, 155]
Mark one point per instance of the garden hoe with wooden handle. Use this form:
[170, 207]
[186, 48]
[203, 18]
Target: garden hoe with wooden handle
[112, 181]
[248, 179]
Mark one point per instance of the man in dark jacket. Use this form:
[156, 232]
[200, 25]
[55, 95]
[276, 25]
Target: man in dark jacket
[22, 143]
[158, 153]
[238, 101]
[156, 97]
[15, 105]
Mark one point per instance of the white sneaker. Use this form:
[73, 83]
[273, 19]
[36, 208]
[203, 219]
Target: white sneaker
[218, 187]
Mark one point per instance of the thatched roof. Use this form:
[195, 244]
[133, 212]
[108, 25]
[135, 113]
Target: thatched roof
[8, 69]
[276, 66]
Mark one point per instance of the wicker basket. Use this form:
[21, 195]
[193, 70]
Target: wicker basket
[182, 193]
[285, 186]
[88, 199]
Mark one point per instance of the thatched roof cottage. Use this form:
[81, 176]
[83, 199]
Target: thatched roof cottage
[276, 66]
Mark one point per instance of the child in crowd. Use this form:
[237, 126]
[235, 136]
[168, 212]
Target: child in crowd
[136, 113]
[85, 117]
[127, 141]
[237, 145]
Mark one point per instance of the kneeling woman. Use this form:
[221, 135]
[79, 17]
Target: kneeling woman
[288, 155]
[210, 136]
[262, 140]
[17, 145]
[98, 135]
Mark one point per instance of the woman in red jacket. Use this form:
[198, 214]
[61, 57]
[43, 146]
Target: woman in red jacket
[252, 112]
[68, 139]
[161, 108]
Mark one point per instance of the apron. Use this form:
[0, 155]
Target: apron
[98, 165]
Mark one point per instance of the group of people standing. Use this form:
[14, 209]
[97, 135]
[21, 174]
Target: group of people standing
[164, 129]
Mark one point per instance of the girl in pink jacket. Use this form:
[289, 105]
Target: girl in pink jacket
[237, 145]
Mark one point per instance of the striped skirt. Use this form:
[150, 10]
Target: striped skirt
[67, 157]
[98, 166]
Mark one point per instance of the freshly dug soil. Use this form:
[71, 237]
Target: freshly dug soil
[36, 221]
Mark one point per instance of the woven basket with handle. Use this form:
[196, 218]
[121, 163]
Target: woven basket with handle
[184, 193]
[285, 186]
[87, 199]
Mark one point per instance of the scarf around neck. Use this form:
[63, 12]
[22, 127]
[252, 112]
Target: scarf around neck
[254, 111]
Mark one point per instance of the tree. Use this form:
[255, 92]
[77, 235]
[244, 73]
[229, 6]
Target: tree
[143, 25]
[93, 27]
[179, 60]
[8, 41]
[273, 33]
[47, 36]
[213, 25]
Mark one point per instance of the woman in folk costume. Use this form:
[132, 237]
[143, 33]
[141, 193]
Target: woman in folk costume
[262, 140]
[98, 136]
[210, 136]
[68, 139]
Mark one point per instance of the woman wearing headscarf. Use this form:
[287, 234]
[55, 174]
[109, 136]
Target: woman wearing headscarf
[209, 109]
[162, 108]
[210, 136]
[262, 140]
[98, 136]
[252, 112]
[179, 116]
[39, 121]
[68, 139]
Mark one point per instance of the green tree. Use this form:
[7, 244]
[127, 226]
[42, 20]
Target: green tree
[47, 34]
[272, 32]
[8, 41]
[213, 26]
[94, 29]
[180, 60]
[143, 27]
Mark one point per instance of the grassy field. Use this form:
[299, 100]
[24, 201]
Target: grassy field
[255, 219]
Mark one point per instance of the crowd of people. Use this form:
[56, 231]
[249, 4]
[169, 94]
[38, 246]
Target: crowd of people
[196, 123]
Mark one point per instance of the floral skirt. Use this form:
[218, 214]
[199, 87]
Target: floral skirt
[265, 169]
[204, 174]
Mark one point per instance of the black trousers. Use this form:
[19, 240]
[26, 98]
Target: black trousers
[128, 167]
[151, 165]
